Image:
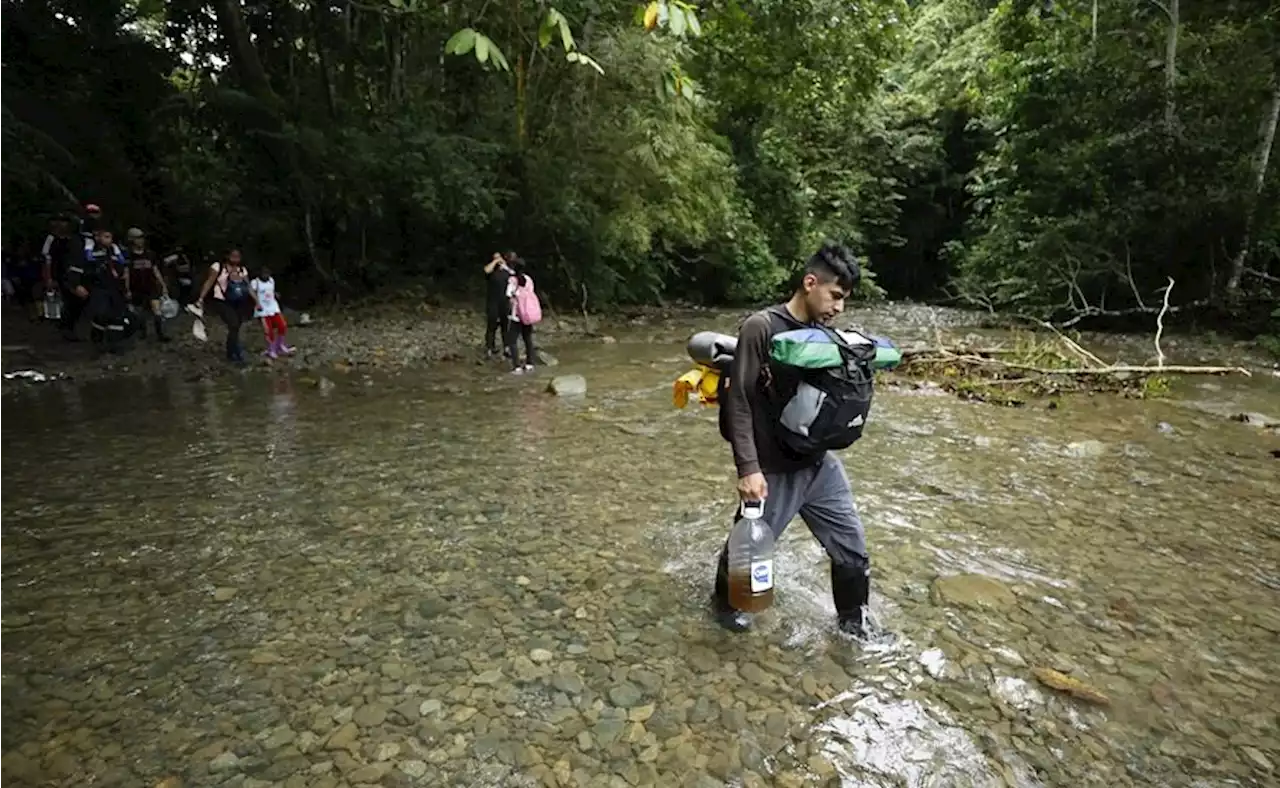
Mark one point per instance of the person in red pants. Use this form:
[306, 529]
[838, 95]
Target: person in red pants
[267, 307]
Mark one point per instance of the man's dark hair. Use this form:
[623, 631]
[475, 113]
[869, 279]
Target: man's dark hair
[835, 263]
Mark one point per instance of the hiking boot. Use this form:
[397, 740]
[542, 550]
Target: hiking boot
[729, 618]
[727, 615]
[853, 625]
[851, 590]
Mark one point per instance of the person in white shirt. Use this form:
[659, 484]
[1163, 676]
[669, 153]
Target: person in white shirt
[267, 307]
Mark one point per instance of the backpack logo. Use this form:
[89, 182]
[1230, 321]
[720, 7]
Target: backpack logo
[858, 421]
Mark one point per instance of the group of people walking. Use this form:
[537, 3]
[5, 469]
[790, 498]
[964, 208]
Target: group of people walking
[82, 272]
[512, 309]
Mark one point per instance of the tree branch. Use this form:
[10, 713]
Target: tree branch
[1261, 275]
[1160, 323]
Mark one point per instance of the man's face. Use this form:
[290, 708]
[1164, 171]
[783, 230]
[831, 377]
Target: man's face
[823, 300]
[103, 237]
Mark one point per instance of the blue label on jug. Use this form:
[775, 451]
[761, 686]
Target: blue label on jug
[761, 576]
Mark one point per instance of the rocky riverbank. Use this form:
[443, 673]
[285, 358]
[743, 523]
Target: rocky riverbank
[391, 337]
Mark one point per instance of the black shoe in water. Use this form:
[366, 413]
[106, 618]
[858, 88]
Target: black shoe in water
[854, 626]
[729, 618]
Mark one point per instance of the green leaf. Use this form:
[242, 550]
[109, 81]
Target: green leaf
[482, 49]
[585, 60]
[497, 58]
[675, 21]
[691, 17]
[686, 89]
[565, 35]
[461, 42]
[544, 33]
[397, 4]
[572, 57]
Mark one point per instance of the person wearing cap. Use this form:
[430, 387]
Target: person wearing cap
[144, 285]
[91, 223]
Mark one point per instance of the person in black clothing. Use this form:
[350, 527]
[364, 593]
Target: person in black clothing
[497, 307]
[61, 249]
[91, 223]
[815, 487]
[183, 274]
[144, 285]
[97, 284]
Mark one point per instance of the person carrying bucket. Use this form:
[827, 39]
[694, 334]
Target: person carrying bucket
[796, 390]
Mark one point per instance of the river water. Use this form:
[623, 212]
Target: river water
[449, 577]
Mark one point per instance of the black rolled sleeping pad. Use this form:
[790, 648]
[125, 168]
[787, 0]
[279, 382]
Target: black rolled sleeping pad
[713, 349]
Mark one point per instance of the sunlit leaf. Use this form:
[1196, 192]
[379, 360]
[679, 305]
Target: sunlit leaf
[497, 58]
[651, 16]
[482, 49]
[461, 42]
[675, 21]
[691, 16]
[588, 61]
[565, 36]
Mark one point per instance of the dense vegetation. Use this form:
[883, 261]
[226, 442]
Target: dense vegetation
[1058, 158]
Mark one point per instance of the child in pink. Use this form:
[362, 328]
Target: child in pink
[267, 307]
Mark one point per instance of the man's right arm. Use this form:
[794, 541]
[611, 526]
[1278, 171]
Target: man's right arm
[744, 379]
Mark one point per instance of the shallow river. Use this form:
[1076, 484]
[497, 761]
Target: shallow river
[452, 578]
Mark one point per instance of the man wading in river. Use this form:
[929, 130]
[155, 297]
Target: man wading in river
[813, 484]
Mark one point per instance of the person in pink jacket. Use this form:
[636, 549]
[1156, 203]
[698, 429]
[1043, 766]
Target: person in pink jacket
[526, 312]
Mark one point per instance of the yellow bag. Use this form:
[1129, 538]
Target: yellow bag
[699, 383]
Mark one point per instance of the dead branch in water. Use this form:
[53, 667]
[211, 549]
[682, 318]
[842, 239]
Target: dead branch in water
[985, 357]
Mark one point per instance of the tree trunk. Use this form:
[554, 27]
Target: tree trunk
[1094, 41]
[351, 30]
[1171, 69]
[1266, 138]
[322, 56]
[244, 58]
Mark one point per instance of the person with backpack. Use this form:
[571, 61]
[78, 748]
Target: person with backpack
[228, 283]
[526, 312]
[795, 391]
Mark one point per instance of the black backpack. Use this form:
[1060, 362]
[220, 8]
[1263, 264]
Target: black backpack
[829, 406]
[815, 409]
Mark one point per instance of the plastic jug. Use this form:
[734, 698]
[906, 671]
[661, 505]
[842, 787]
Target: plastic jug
[52, 306]
[751, 560]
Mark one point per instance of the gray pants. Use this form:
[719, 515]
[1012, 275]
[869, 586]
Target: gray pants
[822, 497]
